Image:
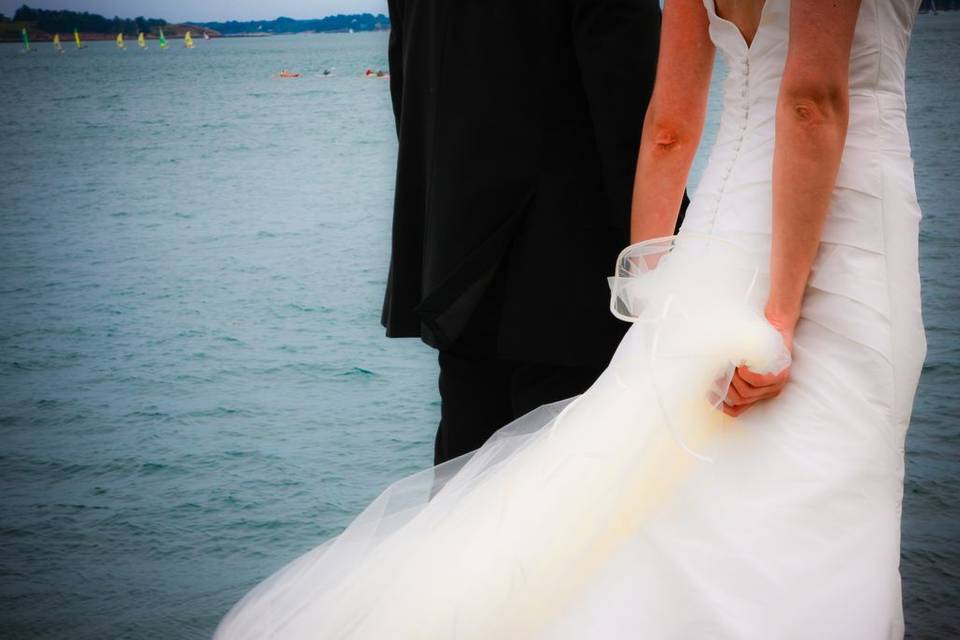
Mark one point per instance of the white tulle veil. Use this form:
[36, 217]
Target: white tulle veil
[496, 543]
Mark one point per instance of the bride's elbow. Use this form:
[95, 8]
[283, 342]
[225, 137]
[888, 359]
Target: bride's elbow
[815, 105]
[666, 138]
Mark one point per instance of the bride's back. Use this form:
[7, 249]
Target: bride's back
[745, 14]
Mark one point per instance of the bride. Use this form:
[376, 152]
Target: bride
[737, 471]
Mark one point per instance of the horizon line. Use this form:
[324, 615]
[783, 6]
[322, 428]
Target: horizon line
[329, 15]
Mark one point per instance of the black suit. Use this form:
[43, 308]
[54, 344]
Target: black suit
[519, 124]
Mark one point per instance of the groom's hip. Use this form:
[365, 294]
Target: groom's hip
[480, 394]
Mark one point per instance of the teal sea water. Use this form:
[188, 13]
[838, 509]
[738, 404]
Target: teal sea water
[194, 386]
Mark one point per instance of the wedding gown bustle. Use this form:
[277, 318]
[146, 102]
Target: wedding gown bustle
[637, 510]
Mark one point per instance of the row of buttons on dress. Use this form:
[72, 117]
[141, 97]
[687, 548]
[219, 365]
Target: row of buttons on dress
[744, 92]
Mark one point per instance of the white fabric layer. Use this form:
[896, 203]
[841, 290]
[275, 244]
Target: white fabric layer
[637, 510]
[533, 517]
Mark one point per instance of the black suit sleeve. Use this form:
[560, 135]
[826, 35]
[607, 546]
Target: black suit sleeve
[616, 44]
[395, 56]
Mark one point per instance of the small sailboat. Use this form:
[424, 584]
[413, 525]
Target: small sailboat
[206, 36]
[120, 44]
[188, 41]
[163, 40]
[141, 42]
[76, 38]
[26, 40]
[56, 43]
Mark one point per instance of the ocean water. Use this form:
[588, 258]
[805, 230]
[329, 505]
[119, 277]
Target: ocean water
[194, 386]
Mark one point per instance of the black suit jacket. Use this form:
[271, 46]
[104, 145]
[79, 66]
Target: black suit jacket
[519, 123]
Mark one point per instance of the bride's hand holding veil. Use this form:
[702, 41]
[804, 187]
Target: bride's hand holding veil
[748, 387]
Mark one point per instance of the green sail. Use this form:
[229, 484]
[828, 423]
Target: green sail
[26, 39]
[163, 41]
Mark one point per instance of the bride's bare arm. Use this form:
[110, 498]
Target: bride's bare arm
[674, 119]
[812, 112]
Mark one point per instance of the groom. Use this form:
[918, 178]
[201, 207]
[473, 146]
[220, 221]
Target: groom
[519, 123]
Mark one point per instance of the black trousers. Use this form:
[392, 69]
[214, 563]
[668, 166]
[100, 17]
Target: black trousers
[479, 394]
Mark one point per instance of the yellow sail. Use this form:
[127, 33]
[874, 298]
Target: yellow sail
[76, 38]
[120, 41]
[188, 41]
[141, 41]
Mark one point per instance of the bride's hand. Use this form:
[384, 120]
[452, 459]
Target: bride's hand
[748, 388]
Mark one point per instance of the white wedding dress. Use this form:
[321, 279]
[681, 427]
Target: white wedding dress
[637, 510]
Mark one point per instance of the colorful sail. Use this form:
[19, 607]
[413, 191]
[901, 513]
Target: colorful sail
[76, 38]
[141, 42]
[120, 41]
[56, 43]
[26, 39]
[163, 40]
[188, 41]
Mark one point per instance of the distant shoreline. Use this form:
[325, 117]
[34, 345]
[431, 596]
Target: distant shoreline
[67, 38]
[42, 25]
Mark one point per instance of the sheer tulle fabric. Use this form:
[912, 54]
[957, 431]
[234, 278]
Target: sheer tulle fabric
[499, 543]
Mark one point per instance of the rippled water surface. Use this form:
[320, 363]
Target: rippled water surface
[194, 387]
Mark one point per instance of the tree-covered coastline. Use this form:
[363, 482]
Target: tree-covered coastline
[42, 24]
[53, 21]
[284, 25]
